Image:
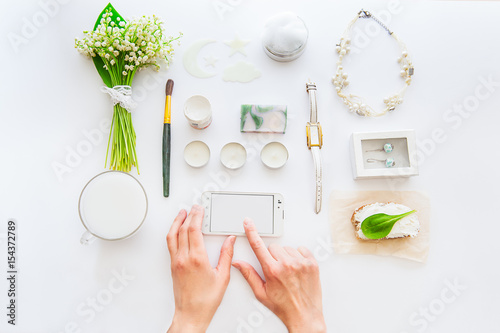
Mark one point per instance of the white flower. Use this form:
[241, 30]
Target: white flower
[141, 42]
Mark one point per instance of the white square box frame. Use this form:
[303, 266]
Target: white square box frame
[358, 156]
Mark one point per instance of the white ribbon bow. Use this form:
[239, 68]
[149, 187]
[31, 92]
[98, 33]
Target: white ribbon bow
[121, 95]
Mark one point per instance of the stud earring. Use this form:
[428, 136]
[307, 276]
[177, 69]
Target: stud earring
[387, 148]
[389, 163]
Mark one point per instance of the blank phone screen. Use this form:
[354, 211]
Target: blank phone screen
[229, 210]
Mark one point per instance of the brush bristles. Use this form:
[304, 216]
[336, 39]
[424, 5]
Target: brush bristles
[170, 87]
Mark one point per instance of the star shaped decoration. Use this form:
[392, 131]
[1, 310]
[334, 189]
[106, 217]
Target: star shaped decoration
[210, 60]
[237, 45]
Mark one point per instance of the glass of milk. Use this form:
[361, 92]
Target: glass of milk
[112, 206]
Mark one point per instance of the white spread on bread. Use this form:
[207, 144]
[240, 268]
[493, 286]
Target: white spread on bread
[407, 226]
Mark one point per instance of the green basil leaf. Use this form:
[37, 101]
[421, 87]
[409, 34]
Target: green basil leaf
[380, 225]
[98, 62]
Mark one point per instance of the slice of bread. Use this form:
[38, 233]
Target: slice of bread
[408, 226]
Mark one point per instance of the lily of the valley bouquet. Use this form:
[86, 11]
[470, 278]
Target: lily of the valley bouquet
[119, 49]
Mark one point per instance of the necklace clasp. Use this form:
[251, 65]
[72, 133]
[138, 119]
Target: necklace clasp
[364, 14]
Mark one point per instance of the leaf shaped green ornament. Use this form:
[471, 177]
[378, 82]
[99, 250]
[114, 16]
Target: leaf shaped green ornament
[380, 225]
[99, 64]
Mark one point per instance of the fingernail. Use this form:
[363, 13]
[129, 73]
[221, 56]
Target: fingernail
[233, 239]
[247, 222]
[196, 207]
[236, 265]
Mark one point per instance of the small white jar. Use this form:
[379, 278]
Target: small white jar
[198, 112]
[284, 37]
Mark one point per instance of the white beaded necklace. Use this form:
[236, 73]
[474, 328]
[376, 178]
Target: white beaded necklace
[355, 103]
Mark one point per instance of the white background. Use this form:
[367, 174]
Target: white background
[50, 95]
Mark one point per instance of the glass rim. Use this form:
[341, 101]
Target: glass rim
[80, 201]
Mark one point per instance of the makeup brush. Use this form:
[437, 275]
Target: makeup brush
[166, 139]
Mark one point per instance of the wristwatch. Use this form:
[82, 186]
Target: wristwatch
[315, 142]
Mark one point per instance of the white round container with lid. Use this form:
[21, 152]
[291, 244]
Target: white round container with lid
[198, 112]
[285, 37]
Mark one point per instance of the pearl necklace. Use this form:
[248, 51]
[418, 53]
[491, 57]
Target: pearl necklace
[355, 103]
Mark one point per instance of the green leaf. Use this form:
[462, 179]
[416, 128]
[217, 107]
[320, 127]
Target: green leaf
[114, 18]
[380, 225]
[99, 65]
[98, 62]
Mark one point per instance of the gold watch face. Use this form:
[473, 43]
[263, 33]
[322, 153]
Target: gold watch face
[314, 135]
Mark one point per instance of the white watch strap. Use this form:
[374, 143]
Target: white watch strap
[315, 140]
[319, 176]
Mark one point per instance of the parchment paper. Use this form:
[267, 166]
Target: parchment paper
[344, 203]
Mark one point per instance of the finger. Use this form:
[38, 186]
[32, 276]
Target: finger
[306, 253]
[293, 252]
[195, 236]
[253, 278]
[278, 252]
[184, 231]
[174, 232]
[226, 256]
[257, 244]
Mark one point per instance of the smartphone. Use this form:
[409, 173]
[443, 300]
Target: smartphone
[225, 212]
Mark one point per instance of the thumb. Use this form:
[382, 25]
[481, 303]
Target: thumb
[226, 256]
[253, 278]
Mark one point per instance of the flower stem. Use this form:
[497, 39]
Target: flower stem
[123, 140]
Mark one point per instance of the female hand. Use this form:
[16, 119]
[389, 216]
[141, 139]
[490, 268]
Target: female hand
[291, 289]
[198, 288]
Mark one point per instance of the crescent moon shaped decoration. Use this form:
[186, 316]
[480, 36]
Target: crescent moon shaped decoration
[190, 59]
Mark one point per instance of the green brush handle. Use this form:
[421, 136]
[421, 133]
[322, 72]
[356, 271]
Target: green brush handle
[166, 159]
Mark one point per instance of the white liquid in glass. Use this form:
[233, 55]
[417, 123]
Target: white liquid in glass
[113, 205]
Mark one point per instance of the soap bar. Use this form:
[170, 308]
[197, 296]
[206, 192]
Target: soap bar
[263, 118]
